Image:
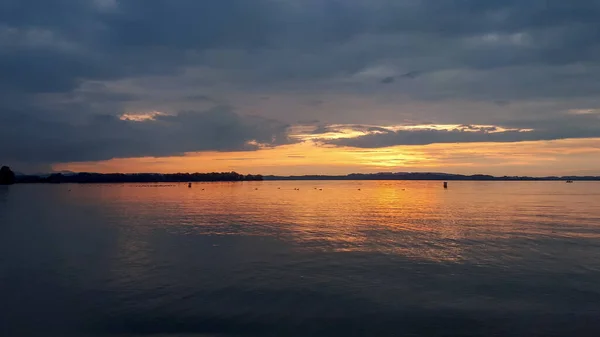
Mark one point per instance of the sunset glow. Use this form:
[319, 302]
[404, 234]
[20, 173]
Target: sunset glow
[562, 157]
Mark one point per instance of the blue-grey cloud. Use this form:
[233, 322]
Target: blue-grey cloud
[411, 74]
[62, 62]
[71, 40]
[105, 136]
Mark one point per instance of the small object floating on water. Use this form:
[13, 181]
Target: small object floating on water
[359, 189]
[569, 181]
[189, 185]
[445, 184]
[256, 189]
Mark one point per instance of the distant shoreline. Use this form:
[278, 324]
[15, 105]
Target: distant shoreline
[97, 178]
[421, 177]
[100, 178]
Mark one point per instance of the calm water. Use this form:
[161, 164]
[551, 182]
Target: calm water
[262, 259]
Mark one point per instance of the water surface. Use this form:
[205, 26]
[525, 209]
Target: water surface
[265, 259]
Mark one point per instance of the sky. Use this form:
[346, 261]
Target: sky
[301, 87]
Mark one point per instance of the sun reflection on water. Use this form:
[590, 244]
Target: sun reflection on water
[418, 220]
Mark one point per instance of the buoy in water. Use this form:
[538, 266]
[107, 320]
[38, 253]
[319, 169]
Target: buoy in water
[445, 184]
[190, 185]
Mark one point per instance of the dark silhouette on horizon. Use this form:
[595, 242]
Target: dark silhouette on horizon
[429, 176]
[89, 178]
[7, 176]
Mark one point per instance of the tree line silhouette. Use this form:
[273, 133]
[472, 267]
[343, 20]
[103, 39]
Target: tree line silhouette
[83, 178]
[7, 176]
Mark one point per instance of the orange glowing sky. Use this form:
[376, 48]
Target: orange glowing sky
[559, 157]
[308, 154]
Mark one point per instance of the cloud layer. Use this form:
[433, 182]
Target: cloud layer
[103, 137]
[71, 68]
[377, 137]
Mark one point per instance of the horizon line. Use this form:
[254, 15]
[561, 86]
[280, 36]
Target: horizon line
[397, 173]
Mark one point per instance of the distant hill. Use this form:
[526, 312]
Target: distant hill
[428, 176]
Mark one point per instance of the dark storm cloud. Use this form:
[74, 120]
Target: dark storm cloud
[106, 136]
[156, 36]
[51, 46]
[50, 52]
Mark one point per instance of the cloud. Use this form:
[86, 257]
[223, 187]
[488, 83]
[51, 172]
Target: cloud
[584, 111]
[425, 135]
[28, 140]
[203, 98]
[320, 129]
[388, 80]
[66, 62]
[411, 74]
[95, 43]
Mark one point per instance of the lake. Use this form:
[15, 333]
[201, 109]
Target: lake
[306, 258]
